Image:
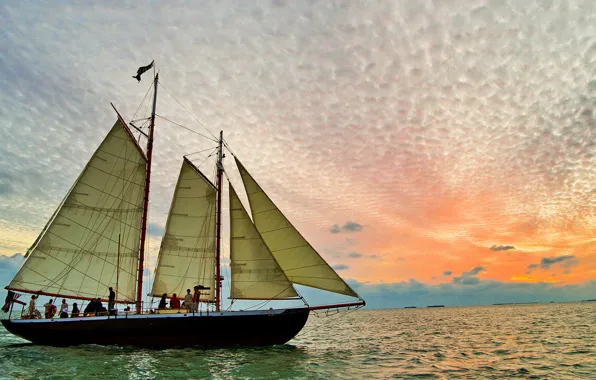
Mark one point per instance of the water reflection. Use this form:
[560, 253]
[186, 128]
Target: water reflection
[473, 342]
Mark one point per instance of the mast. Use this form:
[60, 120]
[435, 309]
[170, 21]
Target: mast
[118, 268]
[146, 201]
[218, 225]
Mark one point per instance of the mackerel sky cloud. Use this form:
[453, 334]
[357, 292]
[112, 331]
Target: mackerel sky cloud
[411, 142]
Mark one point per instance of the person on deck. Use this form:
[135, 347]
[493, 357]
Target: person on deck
[64, 309]
[196, 298]
[188, 300]
[99, 308]
[111, 300]
[50, 309]
[75, 310]
[162, 302]
[90, 308]
[31, 309]
[175, 302]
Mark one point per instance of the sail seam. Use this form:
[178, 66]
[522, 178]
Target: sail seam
[82, 250]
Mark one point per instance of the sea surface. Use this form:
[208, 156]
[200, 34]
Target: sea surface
[552, 341]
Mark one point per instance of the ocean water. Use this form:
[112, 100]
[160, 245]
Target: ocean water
[555, 341]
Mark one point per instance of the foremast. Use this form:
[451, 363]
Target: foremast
[218, 278]
[139, 299]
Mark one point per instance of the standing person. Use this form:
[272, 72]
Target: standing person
[50, 309]
[175, 302]
[196, 298]
[188, 300]
[111, 301]
[64, 309]
[162, 301]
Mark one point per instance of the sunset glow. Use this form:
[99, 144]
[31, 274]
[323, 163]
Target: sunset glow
[409, 142]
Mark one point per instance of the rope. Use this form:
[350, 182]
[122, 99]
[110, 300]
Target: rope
[143, 101]
[337, 315]
[188, 129]
[201, 151]
[198, 121]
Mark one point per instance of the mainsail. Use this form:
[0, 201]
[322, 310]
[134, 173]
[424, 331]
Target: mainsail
[93, 240]
[255, 273]
[187, 252]
[296, 257]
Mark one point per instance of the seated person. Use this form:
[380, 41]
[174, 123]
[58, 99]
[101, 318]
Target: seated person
[75, 310]
[175, 302]
[91, 308]
[100, 309]
[162, 302]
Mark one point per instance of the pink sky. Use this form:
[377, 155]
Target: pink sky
[441, 129]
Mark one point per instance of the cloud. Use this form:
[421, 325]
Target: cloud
[447, 273]
[6, 188]
[348, 227]
[332, 123]
[564, 261]
[155, 230]
[501, 247]
[358, 255]
[9, 266]
[468, 278]
[476, 292]
[340, 267]
[474, 271]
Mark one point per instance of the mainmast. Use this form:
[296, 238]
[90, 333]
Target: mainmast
[218, 225]
[146, 201]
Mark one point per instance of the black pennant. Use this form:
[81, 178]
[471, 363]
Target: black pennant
[141, 70]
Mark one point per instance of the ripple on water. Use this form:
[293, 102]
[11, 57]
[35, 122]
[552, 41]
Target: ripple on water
[489, 343]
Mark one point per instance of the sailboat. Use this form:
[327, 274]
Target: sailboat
[96, 239]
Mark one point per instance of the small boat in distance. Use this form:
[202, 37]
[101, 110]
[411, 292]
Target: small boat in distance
[97, 236]
[436, 306]
[410, 307]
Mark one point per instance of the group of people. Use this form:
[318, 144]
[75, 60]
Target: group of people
[51, 310]
[191, 300]
[95, 307]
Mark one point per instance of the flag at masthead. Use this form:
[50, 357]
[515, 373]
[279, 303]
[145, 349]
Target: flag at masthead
[141, 70]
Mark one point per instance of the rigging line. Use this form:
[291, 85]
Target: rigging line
[56, 280]
[188, 129]
[229, 148]
[332, 318]
[206, 158]
[274, 298]
[198, 121]
[200, 151]
[145, 119]
[143, 101]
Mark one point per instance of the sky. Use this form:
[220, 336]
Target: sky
[431, 151]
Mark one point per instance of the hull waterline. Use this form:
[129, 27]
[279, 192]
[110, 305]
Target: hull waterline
[256, 328]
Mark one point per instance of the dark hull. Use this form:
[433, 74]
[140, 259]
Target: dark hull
[167, 330]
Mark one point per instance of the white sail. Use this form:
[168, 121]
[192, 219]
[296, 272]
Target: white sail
[77, 253]
[255, 273]
[299, 261]
[187, 252]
